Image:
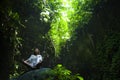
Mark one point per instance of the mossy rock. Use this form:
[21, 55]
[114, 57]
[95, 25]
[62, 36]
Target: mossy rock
[39, 74]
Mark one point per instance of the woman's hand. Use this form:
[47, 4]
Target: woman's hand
[24, 61]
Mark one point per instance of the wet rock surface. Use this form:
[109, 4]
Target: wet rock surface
[38, 74]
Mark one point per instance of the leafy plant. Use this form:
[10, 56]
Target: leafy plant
[61, 73]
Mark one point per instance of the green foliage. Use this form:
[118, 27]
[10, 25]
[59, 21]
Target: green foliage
[65, 22]
[108, 57]
[61, 73]
[66, 17]
[10, 39]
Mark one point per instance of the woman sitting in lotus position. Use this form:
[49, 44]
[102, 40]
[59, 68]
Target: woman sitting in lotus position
[35, 60]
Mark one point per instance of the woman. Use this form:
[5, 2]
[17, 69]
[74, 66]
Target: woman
[35, 60]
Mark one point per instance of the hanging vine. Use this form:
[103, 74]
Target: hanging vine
[64, 16]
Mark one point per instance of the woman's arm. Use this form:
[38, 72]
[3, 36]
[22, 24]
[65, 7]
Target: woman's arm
[40, 59]
[27, 62]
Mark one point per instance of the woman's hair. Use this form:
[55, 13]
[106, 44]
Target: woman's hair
[36, 51]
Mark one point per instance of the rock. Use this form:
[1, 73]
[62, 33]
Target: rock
[39, 74]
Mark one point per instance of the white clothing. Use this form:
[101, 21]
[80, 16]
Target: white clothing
[33, 60]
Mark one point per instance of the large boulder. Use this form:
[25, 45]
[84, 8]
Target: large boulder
[39, 74]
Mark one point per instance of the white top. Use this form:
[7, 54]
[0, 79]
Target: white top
[34, 60]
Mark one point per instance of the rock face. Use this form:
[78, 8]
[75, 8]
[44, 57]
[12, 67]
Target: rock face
[39, 74]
